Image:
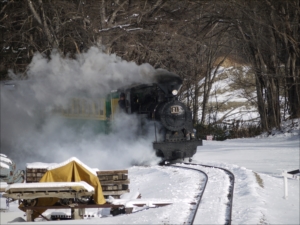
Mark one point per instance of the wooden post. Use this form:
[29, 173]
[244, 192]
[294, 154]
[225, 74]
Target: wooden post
[128, 210]
[77, 214]
[72, 213]
[29, 215]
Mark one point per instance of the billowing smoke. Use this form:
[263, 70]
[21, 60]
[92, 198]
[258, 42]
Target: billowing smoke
[30, 132]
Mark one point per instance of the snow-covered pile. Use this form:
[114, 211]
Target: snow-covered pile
[41, 186]
[51, 166]
[288, 128]
[4, 164]
[3, 186]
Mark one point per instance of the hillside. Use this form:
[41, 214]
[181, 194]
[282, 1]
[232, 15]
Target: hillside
[232, 96]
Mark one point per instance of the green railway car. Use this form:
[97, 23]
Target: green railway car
[95, 113]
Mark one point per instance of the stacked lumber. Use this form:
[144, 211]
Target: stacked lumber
[114, 182]
[34, 174]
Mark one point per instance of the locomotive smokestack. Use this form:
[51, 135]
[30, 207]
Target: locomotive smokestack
[169, 82]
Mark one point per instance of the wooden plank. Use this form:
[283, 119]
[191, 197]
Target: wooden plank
[34, 174]
[110, 188]
[78, 206]
[112, 172]
[155, 204]
[45, 189]
[114, 183]
[27, 195]
[105, 182]
[114, 187]
[31, 174]
[113, 177]
[109, 177]
[114, 196]
[115, 192]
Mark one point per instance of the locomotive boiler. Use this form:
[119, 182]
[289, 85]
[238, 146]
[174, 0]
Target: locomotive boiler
[158, 102]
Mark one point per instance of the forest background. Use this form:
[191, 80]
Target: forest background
[192, 38]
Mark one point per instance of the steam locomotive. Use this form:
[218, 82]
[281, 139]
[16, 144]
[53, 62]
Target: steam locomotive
[155, 103]
[158, 102]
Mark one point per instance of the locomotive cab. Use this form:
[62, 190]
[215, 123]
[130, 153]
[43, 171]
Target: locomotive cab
[140, 98]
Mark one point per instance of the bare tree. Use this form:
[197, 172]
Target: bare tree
[190, 38]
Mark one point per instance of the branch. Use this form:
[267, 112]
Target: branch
[3, 8]
[76, 46]
[226, 115]
[113, 16]
[103, 17]
[35, 14]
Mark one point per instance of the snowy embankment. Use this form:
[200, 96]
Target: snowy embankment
[257, 164]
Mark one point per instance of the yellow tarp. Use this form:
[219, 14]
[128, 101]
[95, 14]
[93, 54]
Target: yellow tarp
[71, 172]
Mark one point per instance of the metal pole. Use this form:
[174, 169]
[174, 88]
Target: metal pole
[285, 184]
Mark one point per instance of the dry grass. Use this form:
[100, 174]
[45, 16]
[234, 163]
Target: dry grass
[229, 105]
[231, 61]
[259, 180]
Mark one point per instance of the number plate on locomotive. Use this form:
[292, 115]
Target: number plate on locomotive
[176, 109]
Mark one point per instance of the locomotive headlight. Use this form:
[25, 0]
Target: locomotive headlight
[174, 92]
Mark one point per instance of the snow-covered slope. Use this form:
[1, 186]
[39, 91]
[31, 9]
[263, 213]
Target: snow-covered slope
[232, 96]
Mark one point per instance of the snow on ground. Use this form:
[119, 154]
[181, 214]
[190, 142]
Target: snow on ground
[269, 155]
[258, 195]
[257, 164]
[212, 210]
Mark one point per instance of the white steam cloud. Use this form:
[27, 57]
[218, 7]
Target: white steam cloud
[31, 133]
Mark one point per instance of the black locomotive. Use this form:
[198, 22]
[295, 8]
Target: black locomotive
[172, 119]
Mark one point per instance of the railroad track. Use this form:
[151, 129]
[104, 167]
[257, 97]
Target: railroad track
[199, 168]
